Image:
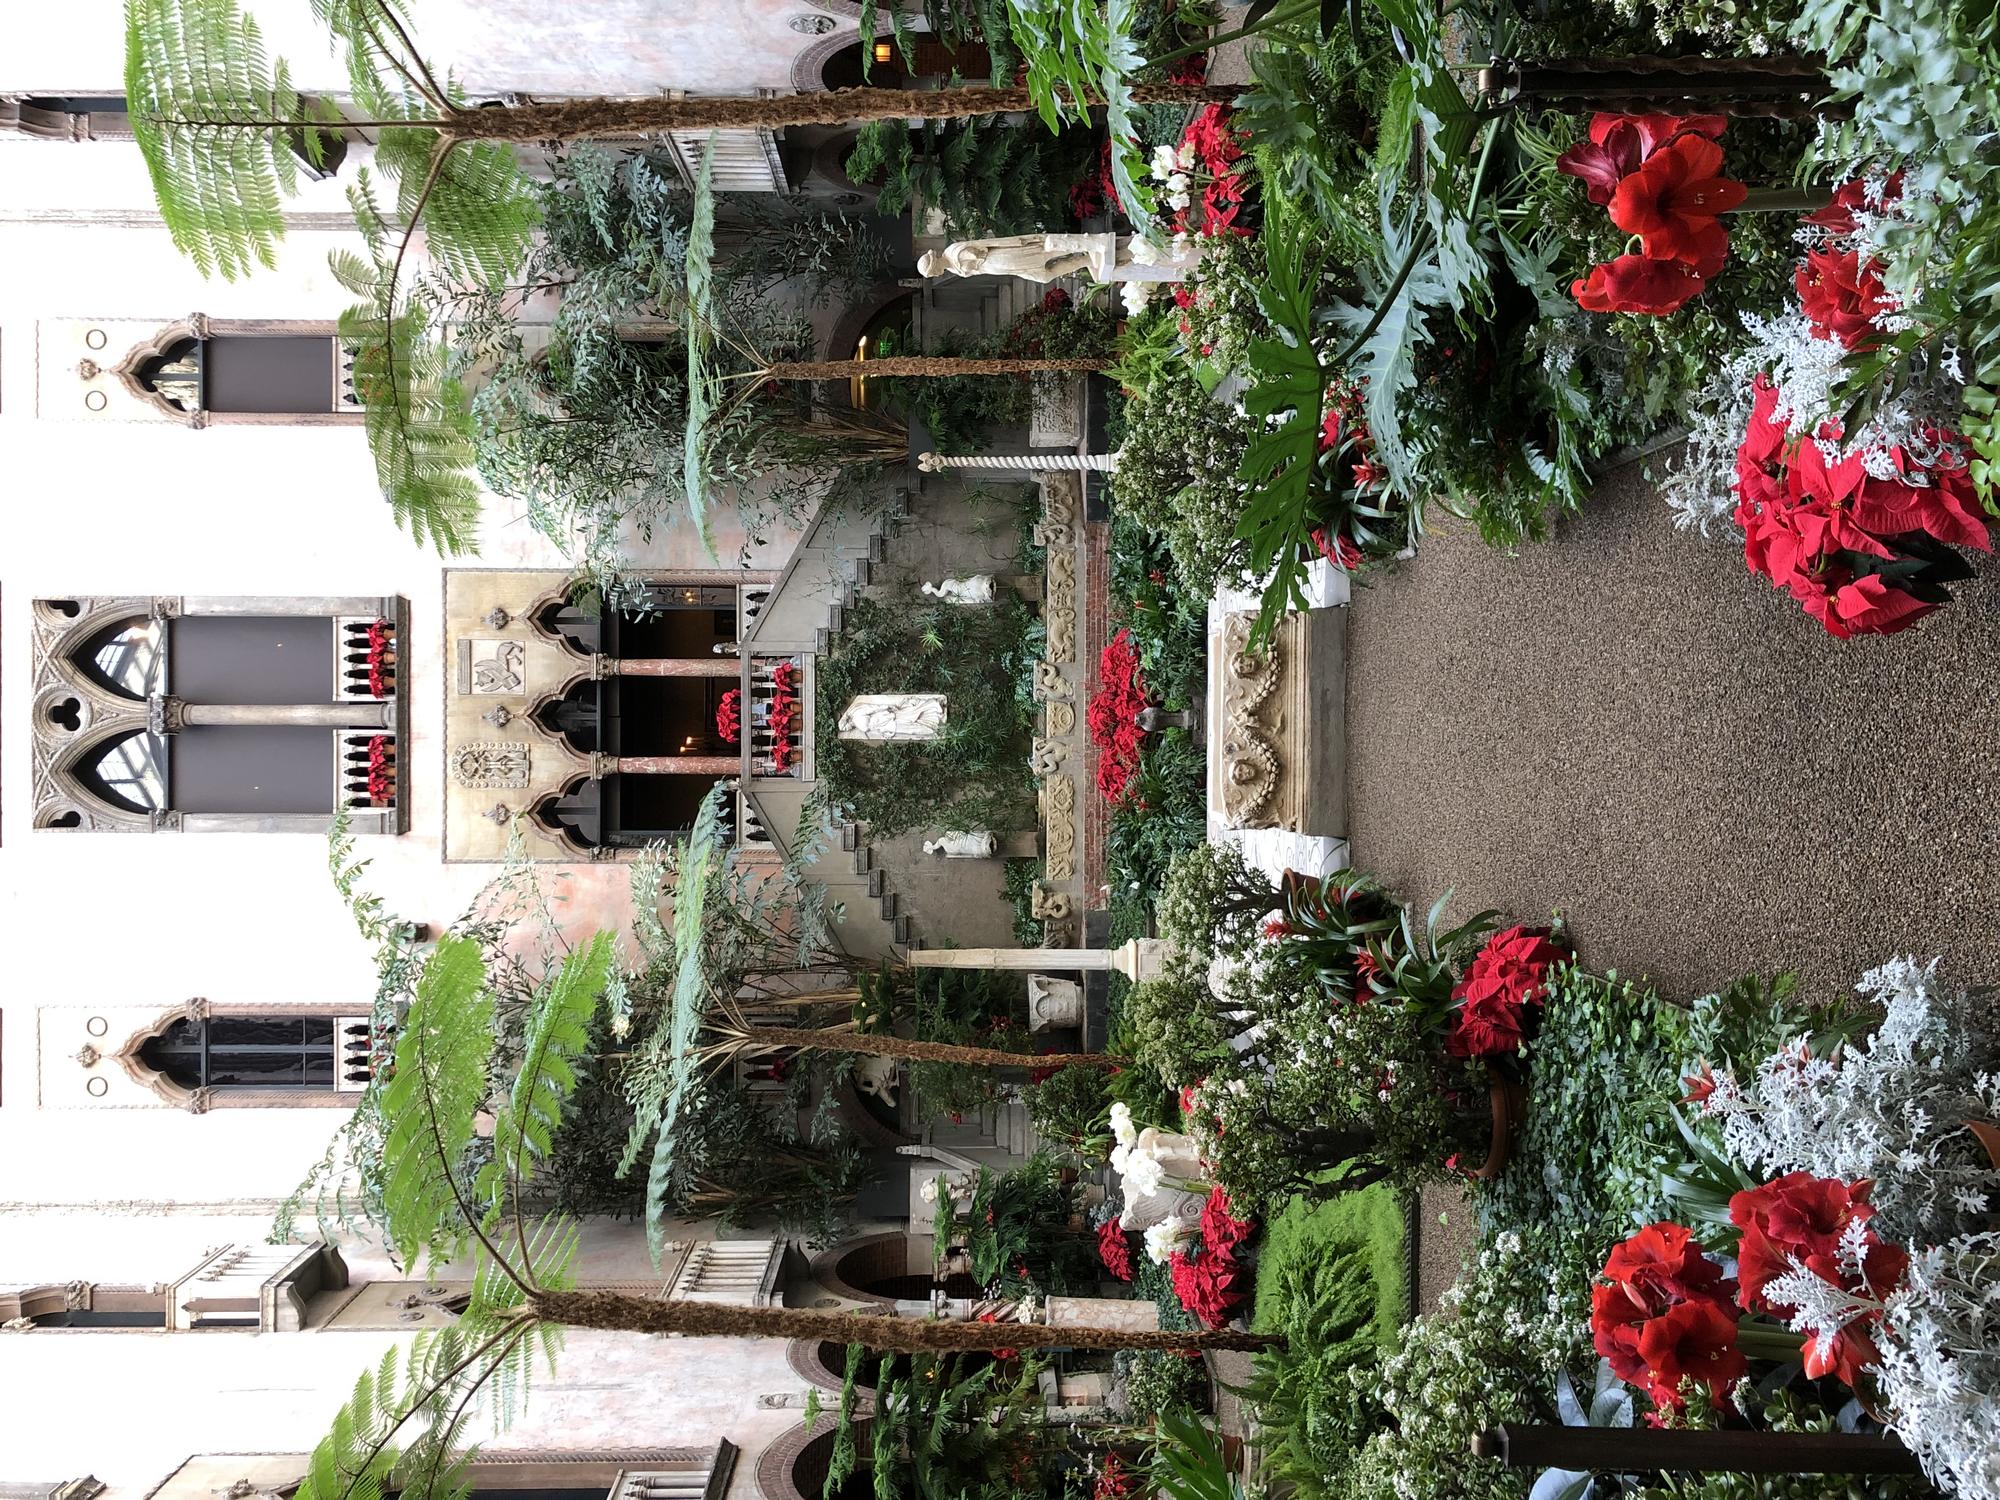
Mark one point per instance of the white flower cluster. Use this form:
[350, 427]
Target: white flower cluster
[1171, 166]
[1890, 1109]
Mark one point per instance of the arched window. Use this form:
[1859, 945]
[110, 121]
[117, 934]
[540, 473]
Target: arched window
[265, 1052]
[129, 657]
[131, 773]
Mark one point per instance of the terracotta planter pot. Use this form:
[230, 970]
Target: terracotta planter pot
[1510, 1107]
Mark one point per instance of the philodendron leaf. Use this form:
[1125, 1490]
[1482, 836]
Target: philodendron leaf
[1567, 1405]
[1561, 1484]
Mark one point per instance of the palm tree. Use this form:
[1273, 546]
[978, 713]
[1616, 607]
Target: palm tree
[222, 130]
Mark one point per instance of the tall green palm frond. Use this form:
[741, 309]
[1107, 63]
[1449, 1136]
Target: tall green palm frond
[701, 314]
[700, 868]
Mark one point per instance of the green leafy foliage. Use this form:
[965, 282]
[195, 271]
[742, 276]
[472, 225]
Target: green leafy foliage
[974, 775]
[986, 176]
[438, 1085]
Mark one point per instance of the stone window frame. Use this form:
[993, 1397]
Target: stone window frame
[201, 327]
[61, 756]
[201, 1100]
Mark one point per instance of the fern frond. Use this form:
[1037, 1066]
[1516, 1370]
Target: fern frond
[439, 1085]
[701, 314]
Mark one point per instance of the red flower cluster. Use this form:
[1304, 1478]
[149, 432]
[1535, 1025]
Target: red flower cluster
[1094, 193]
[729, 716]
[381, 658]
[987, 1317]
[1842, 297]
[1660, 178]
[1218, 156]
[1214, 1283]
[1851, 548]
[381, 770]
[1798, 1222]
[1210, 1286]
[1114, 1249]
[1509, 974]
[1113, 718]
[1662, 1315]
[783, 719]
[1114, 1480]
[1343, 432]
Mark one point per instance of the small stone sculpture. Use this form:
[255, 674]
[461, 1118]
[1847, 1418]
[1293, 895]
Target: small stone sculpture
[975, 589]
[974, 845]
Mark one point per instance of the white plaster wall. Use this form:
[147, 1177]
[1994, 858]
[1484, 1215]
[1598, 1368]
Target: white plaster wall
[103, 507]
[130, 1407]
[492, 46]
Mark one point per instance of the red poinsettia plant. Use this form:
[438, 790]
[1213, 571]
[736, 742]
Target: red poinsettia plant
[1662, 1315]
[1659, 177]
[1206, 179]
[1213, 1281]
[1114, 1249]
[729, 716]
[381, 770]
[1861, 535]
[1112, 718]
[1817, 1227]
[381, 658]
[1507, 981]
[783, 718]
[1863, 553]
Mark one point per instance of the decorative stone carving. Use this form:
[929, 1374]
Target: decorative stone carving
[1276, 726]
[498, 716]
[1050, 682]
[813, 25]
[488, 667]
[884, 718]
[497, 618]
[1058, 799]
[1043, 258]
[198, 1101]
[1053, 1002]
[976, 588]
[1045, 756]
[490, 763]
[87, 1055]
[1059, 718]
[76, 1296]
[971, 845]
[499, 813]
[1061, 506]
[1048, 905]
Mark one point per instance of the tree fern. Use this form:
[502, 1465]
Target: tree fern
[439, 1085]
[557, 1037]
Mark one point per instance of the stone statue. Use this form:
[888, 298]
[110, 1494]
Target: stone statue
[974, 589]
[962, 845]
[1049, 257]
[876, 1077]
[882, 718]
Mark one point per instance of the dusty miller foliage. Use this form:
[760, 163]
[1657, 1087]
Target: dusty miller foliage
[583, 419]
[1891, 1108]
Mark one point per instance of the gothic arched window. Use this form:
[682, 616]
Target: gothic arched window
[265, 1052]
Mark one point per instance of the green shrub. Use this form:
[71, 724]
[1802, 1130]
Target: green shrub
[1068, 1108]
[1174, 1029]
[987, 176]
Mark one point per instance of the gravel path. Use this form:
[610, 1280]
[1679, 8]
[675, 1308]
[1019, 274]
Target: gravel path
[1626, 726]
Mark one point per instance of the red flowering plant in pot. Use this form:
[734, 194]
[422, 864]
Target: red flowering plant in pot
[1112, 719]
[1659, 177]
[1361, 519]
[1663, 1315]
[1855, 519]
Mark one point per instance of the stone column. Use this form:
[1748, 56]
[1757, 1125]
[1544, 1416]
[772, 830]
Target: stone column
[1141, 958]
[938, 463]
[696, 666]
[170, 715]
[665, 765]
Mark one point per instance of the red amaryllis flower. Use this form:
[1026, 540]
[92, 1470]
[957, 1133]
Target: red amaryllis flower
[1221, 1230]
[1842, 298]
[1801, 1218]
[1210, 1286]
[1672, 202]
[1663, 1264]
[1619, 143]
[1691, 1340]
[1638, 284]
[1114, 1250]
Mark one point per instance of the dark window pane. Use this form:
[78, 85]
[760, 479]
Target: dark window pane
[255, 1031]
[256, 1069]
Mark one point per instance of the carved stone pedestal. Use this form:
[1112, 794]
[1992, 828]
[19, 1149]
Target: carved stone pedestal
[1277, 725]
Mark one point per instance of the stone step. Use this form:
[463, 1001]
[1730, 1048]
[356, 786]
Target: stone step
[891, 905]
[878, 882]
[878, 544]
[864, 859]
[822, 640]
[850, 836]
[900, 929]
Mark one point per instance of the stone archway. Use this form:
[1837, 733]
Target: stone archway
[883, 1269]
[794, 1467]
